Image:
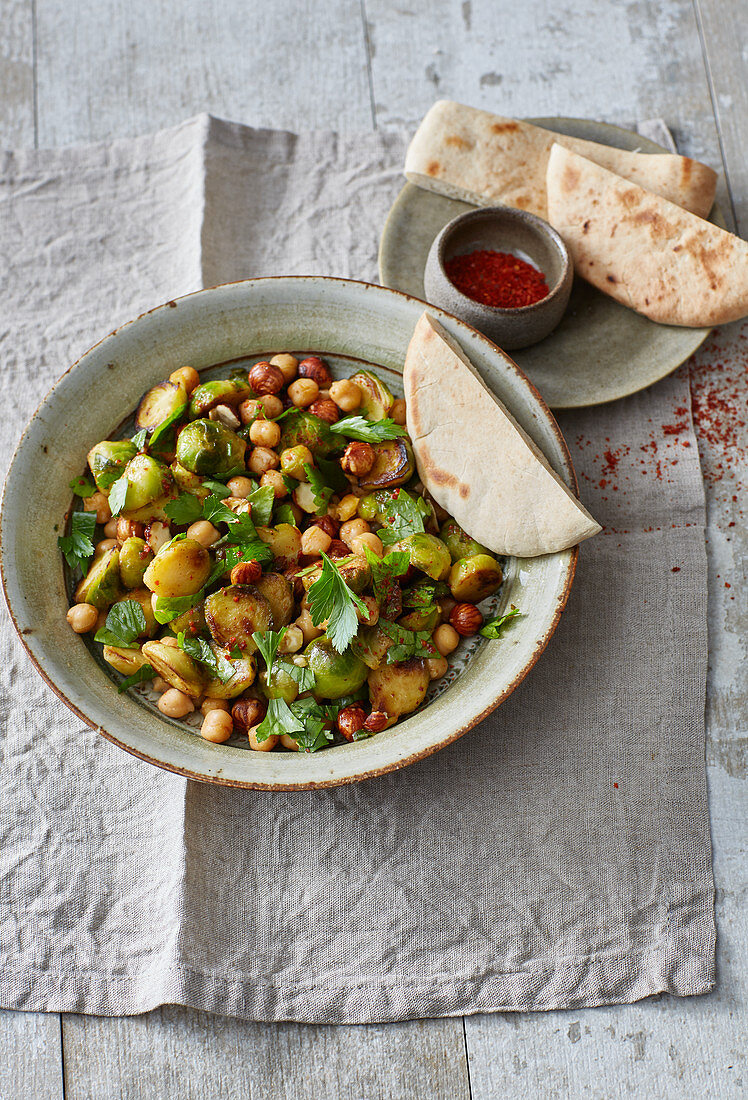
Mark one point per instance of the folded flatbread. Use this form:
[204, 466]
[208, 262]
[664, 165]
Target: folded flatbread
[644, 251]
[476, 461]
[485, 159]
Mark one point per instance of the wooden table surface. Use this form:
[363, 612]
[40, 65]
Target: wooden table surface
[81, 70]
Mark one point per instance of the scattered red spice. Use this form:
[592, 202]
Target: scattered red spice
[674, 429]
[496, 278]
[675, 569]
[616, 786]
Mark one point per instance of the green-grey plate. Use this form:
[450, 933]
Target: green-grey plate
[601, 351]
[352, 323]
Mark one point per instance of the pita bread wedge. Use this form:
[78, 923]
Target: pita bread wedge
[477, 462]
[485, 159]
[644, 251]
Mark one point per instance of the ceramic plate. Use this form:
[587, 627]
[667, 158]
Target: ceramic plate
[601, 351]
[351, 323]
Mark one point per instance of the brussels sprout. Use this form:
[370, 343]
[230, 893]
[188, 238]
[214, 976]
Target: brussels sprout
[371, 645]
[355, 571]
[377, 400]
[227, 391]
[459, 544]
[393, 465]
[301, 427]
[126, 661]
[368, 508]
[188, 482]
[206, 447]
[244, 677]
[147, 481]
[143, 597]
[336, 674]
[427, 553]
[398, 689]
[107, 461]
[191, 622]
[101, 584]
[284, 542]
[293, 460]
[282, 686]
[135, 556]
[159, 403]
[235, 613]
[278, 591]
[176, 667]
[474, 578]
[181, 568]
[421, 619]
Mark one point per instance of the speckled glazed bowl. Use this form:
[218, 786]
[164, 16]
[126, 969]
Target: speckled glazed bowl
[502, 229]
[352, 323]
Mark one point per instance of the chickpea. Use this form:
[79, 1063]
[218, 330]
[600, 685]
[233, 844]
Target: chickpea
[214, 704]
[268, 405]
[261, 746]
[160, 685]
[352, 529]
[187, 377]
[397, 412]
[288, 742]
[99, 504]
[369, 539]
[106, 544]
[437, 667]
[82, 617]
[315, 541]
[265, 433]
[274, 478]
[307, 627]
[240, 487]
[158, 535]
[303, 392]
[371, 617]
[346, 395]
[204, 532]
[293, 640]
[294, 459]
[175, 704]
[346, 507]
[287, 364]
[263, 459]
[218, 725]
[110, 529]
[126, 529]
[446, 639]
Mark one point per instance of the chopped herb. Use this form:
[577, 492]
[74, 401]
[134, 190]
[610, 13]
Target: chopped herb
[331, 599]
[284, 514]
[118, 495]
[125, 622]
[145, 672]
[291, 483]
[333, 474]
[168, 608]
[315, 734]
[320, 489]
[83, 487]
[159, 433]
[402, 515]
[302, 674]
[279, 719]
[217, 488]
[262, 500]
[199, 650]
[184, 510]
[242, 531]
[369, 431]
[383, 574]
[139, 439]
[495, 627]
[361, 735]
[268, 643]
[77, 546]
[407, 643]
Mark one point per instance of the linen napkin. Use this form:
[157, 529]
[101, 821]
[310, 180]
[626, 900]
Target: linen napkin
[557, 856]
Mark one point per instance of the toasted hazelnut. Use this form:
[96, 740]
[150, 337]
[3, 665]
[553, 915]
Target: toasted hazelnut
[338, 549]
[247, 713]
[466, 619]
[246, 572]
[128, 528]
[226, 416]
[265, 378]
[328, 524]
[316, 369]
[376, 721]
[358, 458]
[326, 409]
[350, 719]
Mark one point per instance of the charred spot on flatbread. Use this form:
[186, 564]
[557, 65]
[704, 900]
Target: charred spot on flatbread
[457, 142]
[504, 128]
[432, 168]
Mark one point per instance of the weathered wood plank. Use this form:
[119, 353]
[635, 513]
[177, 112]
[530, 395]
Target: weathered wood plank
[196, 1056]
[17, 74]
[110, 69]
[30, 1056]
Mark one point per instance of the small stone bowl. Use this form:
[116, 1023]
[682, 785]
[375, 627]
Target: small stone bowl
[502, 229]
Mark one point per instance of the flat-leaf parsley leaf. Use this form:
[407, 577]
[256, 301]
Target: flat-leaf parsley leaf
[77, 546]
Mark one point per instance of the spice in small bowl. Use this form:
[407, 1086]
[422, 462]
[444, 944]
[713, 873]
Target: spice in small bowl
[504, 271]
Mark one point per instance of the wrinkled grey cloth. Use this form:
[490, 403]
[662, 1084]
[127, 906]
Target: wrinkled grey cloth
[557, 856]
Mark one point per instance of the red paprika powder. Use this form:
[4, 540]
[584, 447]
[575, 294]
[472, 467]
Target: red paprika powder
[496, 279]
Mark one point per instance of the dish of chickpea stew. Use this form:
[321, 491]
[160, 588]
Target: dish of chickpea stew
[261, 550]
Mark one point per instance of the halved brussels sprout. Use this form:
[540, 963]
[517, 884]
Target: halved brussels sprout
[475, 578]
[227, 391]
[135, 556]
[180, 569]
[107, 461]
[393, 465]
[243, 678]
[235, 613]
[371, 645]
[159, 403]
[143, 597]
[191, 622]
[126, 661]
[355, 571]
[377, 400]
[421, 619]
[301, 427]
[398, 689]
[459, 544]
[176, 667]
[282, 686]
[187, 481]
[336, 674]
[284, 542]
[147, 481]
[206, 447]
[101, 584]
[278, 591]
[427, 553]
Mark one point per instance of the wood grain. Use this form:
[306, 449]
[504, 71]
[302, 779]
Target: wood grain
[17, 74]
[30, 1056]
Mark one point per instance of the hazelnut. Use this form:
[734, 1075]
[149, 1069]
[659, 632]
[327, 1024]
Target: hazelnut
[247, 713]
[328, 524]
[265, 378]
[226, 416]
[246, 572]
[337, 549]
[326, 409]
[358, 458]
[350, 719]
[376, 721]
[128, 528]
[316, 369]
[466, 619]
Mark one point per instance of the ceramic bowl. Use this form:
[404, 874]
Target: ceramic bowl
[351, 323]
[502, 229]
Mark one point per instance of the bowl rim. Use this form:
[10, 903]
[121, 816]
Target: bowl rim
[372, 773]
[539, 225]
